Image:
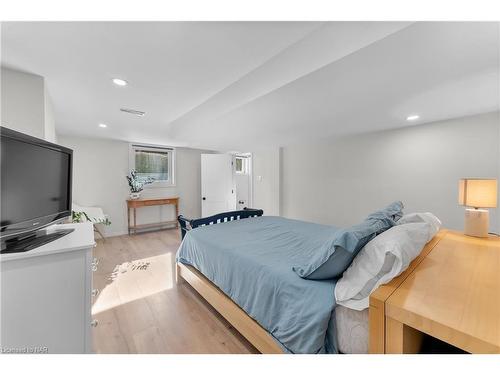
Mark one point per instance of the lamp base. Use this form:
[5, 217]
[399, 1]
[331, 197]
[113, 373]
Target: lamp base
[476, 222]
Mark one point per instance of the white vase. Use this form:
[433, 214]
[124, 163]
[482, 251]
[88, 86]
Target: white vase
[135, 195]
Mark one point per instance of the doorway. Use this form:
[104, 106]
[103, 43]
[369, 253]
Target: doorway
[242, 164]
[226, 183]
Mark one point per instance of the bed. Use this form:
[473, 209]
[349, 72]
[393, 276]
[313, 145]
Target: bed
[243, 268]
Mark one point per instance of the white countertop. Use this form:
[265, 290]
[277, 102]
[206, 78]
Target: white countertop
[81, 238]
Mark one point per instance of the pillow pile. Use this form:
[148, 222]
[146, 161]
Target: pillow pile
[385, 257]
[422, 217]
[346, 243]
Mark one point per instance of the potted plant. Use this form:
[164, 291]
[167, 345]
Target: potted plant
[81, 217]
[136, 184]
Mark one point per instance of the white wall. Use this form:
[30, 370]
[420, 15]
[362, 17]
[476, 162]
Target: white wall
[26, 105]
[266, 180]
[49, 119]
[23, 102]
[99, 171]
[340, 181]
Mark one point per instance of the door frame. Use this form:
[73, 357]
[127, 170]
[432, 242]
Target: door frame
[249, 156]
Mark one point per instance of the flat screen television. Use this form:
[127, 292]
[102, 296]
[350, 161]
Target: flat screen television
[35, 184]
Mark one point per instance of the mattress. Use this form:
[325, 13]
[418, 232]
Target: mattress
[352, 330]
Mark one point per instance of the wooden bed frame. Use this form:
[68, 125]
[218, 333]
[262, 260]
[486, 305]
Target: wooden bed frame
[234, 314]
[261, 339]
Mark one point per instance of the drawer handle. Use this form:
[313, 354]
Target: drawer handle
[95, 261]
[94, 323]
[95, 292]
[94, 268]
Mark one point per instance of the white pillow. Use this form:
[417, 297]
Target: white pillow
[422, 217]
[381, 260]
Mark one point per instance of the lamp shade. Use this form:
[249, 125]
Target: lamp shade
[475, 192]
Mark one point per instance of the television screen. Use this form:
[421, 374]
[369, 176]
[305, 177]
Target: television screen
[35, 182]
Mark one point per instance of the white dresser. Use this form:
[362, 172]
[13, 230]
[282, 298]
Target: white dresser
[46, 295]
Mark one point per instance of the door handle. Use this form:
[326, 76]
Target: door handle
[204, 198]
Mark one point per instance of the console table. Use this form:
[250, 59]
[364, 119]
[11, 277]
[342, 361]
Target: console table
[137, 203]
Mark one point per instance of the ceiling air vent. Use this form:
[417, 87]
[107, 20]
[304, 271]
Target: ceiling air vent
[133, 111]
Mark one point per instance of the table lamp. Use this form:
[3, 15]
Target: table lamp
[478, 195]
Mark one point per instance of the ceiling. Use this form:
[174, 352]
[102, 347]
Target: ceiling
[242, 85]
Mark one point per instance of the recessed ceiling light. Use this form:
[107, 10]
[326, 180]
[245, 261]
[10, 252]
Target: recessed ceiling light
[103, 125]
[412, 118]
[120, 82]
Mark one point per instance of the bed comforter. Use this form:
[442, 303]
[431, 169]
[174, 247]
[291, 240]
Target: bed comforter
[251, 261]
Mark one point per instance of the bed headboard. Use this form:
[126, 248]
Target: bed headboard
[187, 224]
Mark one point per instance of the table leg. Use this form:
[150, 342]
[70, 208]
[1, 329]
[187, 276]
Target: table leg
[401, 339]
[176, 214]
[135, 220]
[128, 219]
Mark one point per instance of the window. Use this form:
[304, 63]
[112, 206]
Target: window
[241, 164]
[153, 162]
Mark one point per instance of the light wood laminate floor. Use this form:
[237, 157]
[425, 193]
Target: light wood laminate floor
[140, 308]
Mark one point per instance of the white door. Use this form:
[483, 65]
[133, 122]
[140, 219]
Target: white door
[242, 183]
[243, 180]
[217, 186]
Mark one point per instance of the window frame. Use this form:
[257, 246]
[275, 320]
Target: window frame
[171, 162]
[244, 164]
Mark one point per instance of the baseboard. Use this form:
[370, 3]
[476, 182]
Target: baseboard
[125, 232]
[115, 233]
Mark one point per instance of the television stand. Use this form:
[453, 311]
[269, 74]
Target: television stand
[32, 241]
[47, 295]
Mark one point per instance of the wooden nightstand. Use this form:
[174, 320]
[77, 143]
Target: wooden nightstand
[452, 295]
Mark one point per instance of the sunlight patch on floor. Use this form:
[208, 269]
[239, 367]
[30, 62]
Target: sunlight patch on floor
[140, 278]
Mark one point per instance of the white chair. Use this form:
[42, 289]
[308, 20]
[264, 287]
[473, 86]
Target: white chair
[93, 214]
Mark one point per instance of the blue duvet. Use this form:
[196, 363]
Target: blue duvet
[251, 261]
